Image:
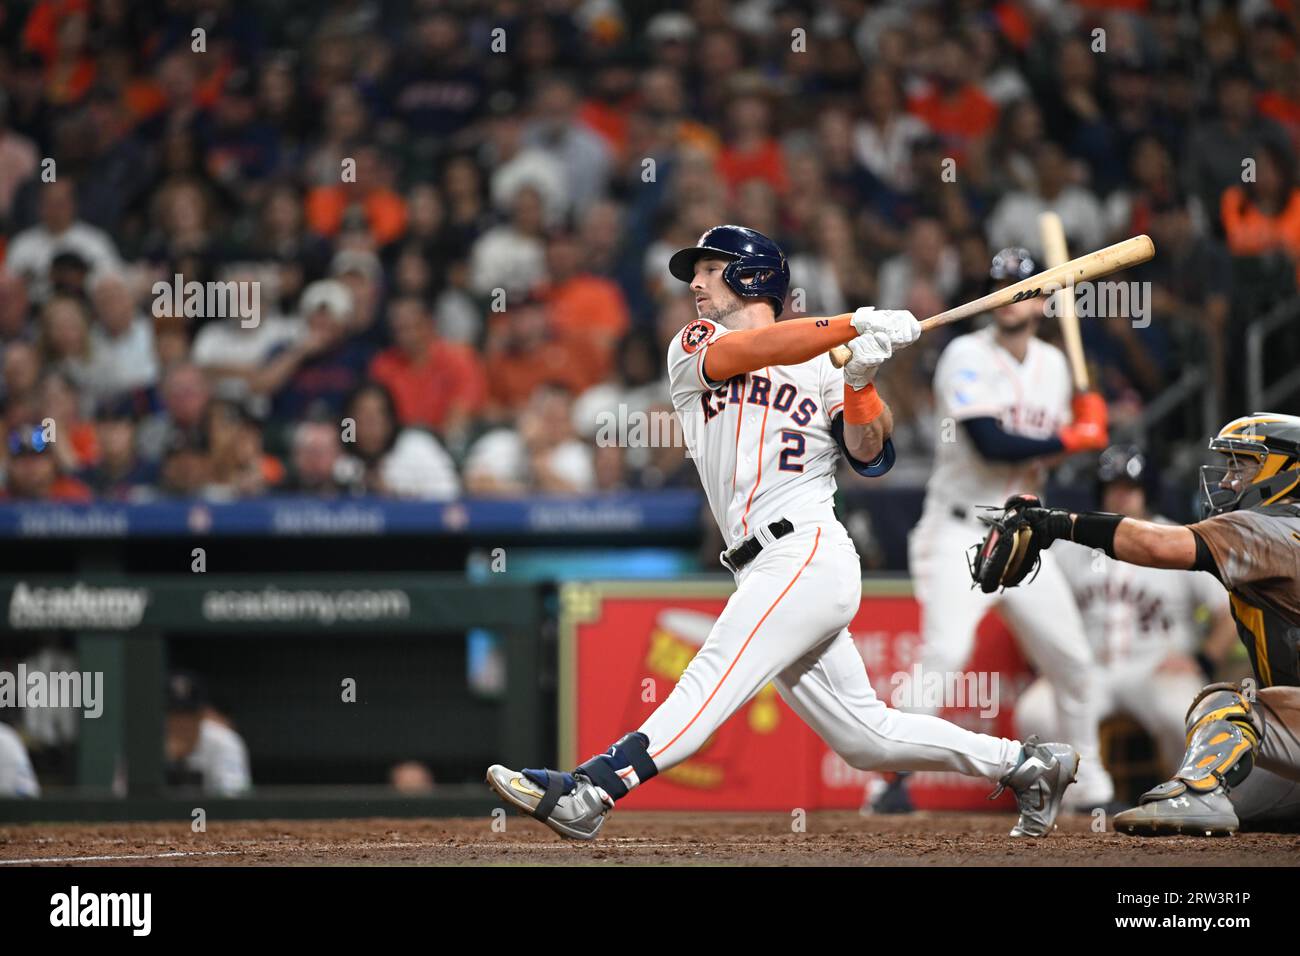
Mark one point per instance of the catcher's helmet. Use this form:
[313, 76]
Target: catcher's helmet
[1263, 463]
[1012, 264]
[753, 256]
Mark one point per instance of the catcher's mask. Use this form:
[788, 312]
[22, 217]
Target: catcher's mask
[1261, 463]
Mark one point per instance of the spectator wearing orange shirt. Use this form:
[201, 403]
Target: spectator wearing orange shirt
[751, 151]
[434, 383]
[523, 352]
[581, 304]
[59, 32]
[241, 467]
[1265, 216]
[954, 106]
[371, 198]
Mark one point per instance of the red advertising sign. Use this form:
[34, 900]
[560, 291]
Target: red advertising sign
[624, 645]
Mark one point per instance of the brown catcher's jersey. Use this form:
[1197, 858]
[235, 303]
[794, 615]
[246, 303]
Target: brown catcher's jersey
[1258, 556]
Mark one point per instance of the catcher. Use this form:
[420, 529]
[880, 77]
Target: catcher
[1242, 763]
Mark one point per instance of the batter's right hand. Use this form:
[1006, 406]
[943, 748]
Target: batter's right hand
[898, 324]
[870, 351]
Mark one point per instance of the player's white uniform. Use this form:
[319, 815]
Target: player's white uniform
[977, 378]
[763, 445]
[1135, 618]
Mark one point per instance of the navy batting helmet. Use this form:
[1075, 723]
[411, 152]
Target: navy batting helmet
[1122, 463]
[1127, 463]
[753, 256]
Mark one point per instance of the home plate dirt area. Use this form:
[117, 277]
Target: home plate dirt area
[629, 839]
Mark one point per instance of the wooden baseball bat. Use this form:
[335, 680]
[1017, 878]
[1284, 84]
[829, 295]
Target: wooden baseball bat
[1094, 265]
[1054, 247]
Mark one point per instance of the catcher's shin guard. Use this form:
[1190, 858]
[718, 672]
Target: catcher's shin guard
[1223, 731]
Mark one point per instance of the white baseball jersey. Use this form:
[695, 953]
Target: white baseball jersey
[977, 378]
[1133, 614]
[17, 778]
[221, 759]
[761, 441]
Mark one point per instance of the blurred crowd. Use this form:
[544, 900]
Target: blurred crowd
[458, 216]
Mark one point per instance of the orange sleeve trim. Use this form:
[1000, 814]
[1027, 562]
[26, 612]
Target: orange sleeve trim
[861, 406]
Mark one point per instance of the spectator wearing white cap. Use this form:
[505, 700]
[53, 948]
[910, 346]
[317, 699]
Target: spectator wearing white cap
[314, 373]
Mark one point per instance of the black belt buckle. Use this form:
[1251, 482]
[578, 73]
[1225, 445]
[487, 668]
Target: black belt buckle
[749, 549]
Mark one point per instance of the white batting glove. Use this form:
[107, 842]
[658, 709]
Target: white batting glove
[899, 324]
[870, 351]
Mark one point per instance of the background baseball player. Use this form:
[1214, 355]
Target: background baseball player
[1242, 760]
[1147, 626]
[1003, 401]
[766, 416]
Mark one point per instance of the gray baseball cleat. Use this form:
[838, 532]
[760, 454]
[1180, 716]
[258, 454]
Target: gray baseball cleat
[1039, 782]
[1173, 808]
[575, 810]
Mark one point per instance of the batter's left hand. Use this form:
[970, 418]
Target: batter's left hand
[870, 351]
[899, 325]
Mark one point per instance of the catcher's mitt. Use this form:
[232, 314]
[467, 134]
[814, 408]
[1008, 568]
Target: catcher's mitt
[1010, 551]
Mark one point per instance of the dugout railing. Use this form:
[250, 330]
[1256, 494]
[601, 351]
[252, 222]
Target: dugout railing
[120, 625]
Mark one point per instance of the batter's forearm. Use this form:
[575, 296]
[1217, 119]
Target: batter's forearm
[791, 342]
[865, 442]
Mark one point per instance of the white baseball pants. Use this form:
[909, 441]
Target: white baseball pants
[787, 622]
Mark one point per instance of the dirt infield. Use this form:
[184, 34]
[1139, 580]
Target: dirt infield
[629, 839]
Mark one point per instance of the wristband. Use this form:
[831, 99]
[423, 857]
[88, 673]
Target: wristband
[862, 406]
[1055, 525]
[1096, 529]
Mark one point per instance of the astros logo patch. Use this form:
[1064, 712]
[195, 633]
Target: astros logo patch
[696, 334]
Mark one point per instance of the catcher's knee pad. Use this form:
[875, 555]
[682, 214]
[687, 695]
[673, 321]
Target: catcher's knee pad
[1223, 730]
[607, 770]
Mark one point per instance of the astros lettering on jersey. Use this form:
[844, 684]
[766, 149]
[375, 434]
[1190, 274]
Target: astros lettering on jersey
[762, 441]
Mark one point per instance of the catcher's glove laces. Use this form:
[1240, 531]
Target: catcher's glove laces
[1010, 551]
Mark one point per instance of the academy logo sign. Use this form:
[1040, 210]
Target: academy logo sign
[79, 606]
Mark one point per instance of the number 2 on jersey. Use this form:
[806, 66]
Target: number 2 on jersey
[790, 456]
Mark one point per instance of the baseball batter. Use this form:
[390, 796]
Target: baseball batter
[766, 418]
[1145, 625]
[1003, 399]
[1242, 757]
